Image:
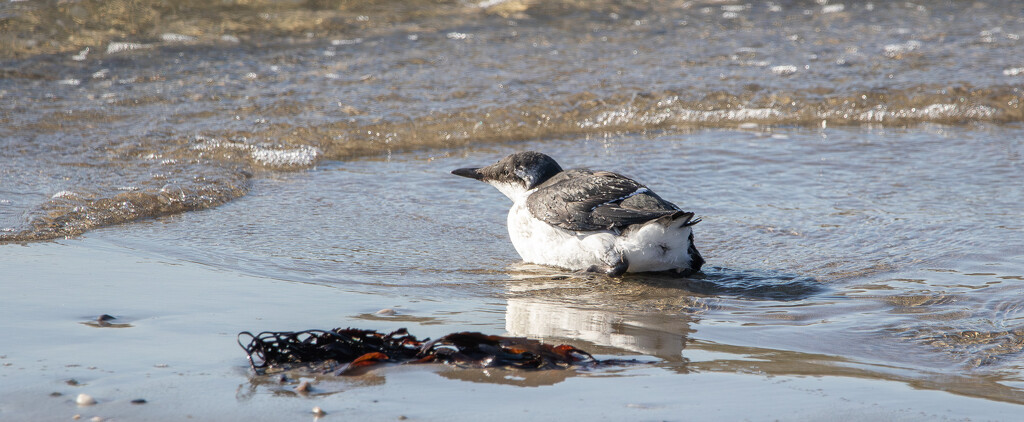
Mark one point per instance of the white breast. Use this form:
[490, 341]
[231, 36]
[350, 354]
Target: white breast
[651, 247]
[541, 243]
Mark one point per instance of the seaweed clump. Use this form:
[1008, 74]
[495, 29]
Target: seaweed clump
[349, 351]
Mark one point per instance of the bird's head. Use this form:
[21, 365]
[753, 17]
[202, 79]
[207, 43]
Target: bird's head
[515, 174]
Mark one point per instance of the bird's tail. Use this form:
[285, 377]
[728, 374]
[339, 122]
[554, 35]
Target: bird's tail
[678, 219]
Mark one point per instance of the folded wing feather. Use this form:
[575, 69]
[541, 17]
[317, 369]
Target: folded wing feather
[585, 200]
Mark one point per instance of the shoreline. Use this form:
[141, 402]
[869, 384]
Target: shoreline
[180, 356]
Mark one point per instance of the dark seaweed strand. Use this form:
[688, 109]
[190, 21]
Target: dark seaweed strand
[311, 347]
[342, 345]
[278, 347]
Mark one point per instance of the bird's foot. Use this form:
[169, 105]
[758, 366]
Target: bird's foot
[616, 270]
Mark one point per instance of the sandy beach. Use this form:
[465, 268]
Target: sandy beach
[179, 354]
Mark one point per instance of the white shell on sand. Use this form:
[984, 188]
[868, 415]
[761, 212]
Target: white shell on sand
[85, 400]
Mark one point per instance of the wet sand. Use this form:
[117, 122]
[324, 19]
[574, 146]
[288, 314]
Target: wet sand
[180, 356]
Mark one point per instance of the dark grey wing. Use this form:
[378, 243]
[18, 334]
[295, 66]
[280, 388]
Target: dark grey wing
[584, 200]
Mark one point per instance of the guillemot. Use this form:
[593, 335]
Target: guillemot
[586, 220]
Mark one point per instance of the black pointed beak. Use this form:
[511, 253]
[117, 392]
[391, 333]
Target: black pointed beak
[472, 173]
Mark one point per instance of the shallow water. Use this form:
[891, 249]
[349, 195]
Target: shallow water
[807, 257]
[855, 167]
[157, 116]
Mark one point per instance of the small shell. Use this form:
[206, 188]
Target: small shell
[85, 400]
[318, 412]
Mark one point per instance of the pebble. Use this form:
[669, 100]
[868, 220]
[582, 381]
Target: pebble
[303, 387]
[76, 417]
[317, 411]
[104, 320]
[139, 401]
[386, 312]
[96, 419]
[85, 400]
